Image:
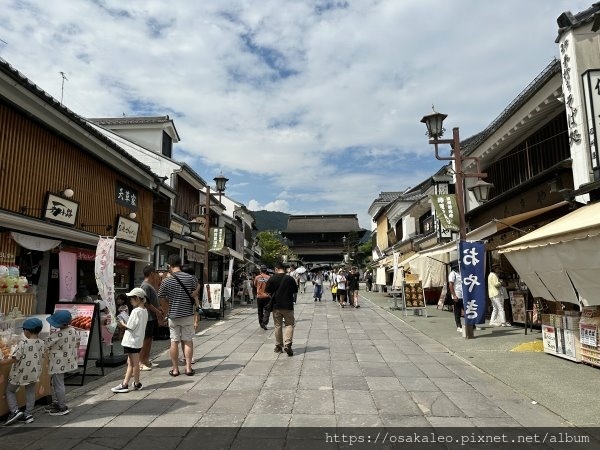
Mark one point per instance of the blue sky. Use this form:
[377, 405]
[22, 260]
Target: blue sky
[307, 106]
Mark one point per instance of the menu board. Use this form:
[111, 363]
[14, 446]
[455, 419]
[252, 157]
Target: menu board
[588, 334]
[211, 296]
[83, 316]
[413, 294]
[517, 303]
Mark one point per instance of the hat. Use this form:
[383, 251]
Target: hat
[263, 268]
[32, 323]
[137, 292]
[60, 318]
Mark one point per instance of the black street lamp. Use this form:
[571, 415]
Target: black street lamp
[220, 182]
[435, 130]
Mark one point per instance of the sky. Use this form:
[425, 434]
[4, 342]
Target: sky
[307, 106]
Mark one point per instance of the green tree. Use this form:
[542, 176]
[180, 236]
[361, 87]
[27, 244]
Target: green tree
[272, 247]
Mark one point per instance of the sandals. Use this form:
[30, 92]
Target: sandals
[190, 373]
[173, 373]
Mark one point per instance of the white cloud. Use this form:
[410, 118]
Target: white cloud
[277, 205]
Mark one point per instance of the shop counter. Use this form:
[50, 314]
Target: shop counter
[42, 388]
[25, 302]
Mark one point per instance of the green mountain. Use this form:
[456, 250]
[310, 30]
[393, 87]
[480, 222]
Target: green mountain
[270, 220]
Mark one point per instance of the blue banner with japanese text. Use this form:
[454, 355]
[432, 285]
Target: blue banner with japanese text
[472, 272]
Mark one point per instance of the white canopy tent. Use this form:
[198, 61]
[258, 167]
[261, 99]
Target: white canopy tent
[562, 259]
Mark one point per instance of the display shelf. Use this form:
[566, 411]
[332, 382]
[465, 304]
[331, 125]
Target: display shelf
[25, 302]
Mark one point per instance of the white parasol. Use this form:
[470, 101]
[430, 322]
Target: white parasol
[300, 269]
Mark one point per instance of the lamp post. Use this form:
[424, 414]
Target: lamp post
[347, 248]
[435, 130]
[220, 182]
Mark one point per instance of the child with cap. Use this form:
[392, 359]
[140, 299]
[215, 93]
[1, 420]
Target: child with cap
[133, 339]
[26, 360]
[62, 344]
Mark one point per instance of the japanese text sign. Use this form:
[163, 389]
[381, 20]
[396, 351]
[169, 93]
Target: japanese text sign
[446, 210]
[217, 239]
[61, 210]
[472, 272]
[126, 196]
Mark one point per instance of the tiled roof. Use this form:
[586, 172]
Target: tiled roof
[129, 120]
[135, 120]
[22, 80]
[388, 196]
[469, 144]
[341, 223]
[567, 21]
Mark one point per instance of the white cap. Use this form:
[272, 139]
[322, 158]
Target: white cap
[137, 292]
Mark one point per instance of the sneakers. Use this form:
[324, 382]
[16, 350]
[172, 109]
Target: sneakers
[59, 411]
[13, 417]
[50, 407]
[145, 368]
[459, 329]
[28, 418]
[120, 389]
[137, 386]
[288, 350]
[278, 349]
[479, 328]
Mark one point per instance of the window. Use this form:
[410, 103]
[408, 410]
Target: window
[167, 145]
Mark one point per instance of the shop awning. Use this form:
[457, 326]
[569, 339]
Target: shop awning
[496, 225]
[226, 251]
[561, 259]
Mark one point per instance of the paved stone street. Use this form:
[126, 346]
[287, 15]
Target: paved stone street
[351, 368]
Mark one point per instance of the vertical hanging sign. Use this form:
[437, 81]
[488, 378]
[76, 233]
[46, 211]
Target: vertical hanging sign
[472, 272]
[104, 271]
[591, 92]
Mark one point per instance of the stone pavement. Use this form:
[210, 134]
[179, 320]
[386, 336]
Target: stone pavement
[560, 385]
[351, 368]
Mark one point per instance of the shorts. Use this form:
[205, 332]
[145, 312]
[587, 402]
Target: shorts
[182, 329]
[150, 329]
[131, 350]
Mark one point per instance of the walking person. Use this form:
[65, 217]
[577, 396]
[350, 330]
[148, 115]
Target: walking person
[282, 288]
[178, 295]
[26, 359]
[498, 318]
[62, 345]
[456, 290]
[155, 316]
[455, 287]
[133, 340]
[369, 281]
[318, 286]
[353, 280]
[340, 280]
[334, 292]
[263, 298]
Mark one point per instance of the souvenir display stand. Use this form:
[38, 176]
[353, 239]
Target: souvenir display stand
[560, 335]
[10, 332]
[413, 296]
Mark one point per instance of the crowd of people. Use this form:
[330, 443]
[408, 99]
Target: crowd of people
[139, 313]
